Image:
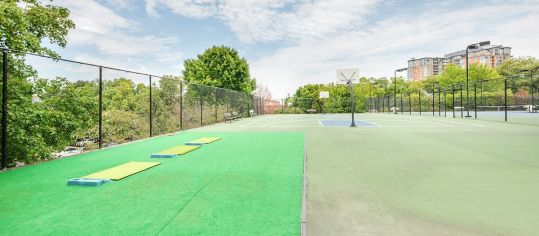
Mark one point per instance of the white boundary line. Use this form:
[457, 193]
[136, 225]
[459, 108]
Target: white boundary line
[303, 225]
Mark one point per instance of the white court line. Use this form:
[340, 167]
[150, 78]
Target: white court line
[279, 122]
[255, 121]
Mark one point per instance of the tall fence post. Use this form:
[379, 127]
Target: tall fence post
[4, 108]
[100, 131]
[201, 107]
[216, 105]
[384, 104]
[505, 97]
[410, 101]
[433, 93]
[402, 107]
[151, 109]
[460, 104]
[475, 98]
[439, 101]
[445, 102]
[181, 105]
[419, 92]
[453, 99]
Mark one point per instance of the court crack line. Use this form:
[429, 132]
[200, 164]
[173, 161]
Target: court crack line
[184, 206]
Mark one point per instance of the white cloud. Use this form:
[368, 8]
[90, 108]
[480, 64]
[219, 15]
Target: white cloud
[114, 38]
[382, 47]
[271, 20]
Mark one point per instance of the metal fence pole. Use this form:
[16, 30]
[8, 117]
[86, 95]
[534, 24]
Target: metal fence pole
[433, 93]
[100, 131]
[181, 105]
[453, 99]
[475, 98]
[439, 101]
[4, 108]
[216, 105]
[402, 107]
[461, 107]
[410, 102]
[151, 108]
[419, 92]
[505, 97]
[383, 104]
[445, 102]
[201, 107]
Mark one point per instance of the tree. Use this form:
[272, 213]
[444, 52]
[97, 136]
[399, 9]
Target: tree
[34, 126]
[263, 91]
[222, 67]
[25, 23]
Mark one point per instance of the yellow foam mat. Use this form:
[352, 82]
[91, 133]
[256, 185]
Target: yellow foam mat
[179, 150]
[122, 171]
[205, 140]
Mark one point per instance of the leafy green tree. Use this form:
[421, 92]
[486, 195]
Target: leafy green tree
[220, 66]
[24, 24]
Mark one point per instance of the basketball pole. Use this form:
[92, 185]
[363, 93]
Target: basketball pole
[350, 84]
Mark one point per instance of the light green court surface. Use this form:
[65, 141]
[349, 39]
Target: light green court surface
[249, 183]
[414, 175]
[121, 171]
[179, 150]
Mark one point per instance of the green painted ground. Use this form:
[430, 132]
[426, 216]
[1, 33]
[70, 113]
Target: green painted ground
[414, 175]
[249, 183]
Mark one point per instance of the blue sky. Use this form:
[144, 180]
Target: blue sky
[289, 43]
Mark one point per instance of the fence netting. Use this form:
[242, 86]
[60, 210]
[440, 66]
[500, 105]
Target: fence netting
[55, 109]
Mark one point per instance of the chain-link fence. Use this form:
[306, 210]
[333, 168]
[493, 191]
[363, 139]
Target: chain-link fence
[511, 99]
[53, 108]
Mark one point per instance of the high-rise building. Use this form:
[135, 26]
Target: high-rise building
[421, 68]
[490, 55]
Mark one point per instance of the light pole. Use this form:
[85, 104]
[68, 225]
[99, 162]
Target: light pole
[395, 82]
[471, 46]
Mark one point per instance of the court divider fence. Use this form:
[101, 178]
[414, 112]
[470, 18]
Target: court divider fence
[49, 104]
[511, 99]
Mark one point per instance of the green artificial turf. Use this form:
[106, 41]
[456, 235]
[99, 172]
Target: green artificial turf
[248, 183]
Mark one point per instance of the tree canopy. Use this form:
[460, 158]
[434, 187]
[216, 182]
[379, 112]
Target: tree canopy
[222, 67]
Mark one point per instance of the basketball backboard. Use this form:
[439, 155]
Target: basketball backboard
[346, 75]
[324, 94]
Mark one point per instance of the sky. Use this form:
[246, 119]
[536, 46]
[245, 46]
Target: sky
[290, 43]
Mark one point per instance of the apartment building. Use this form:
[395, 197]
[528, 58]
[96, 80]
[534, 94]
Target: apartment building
[421, 68]
[490, 55]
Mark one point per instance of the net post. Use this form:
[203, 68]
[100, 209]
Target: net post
[505, 97]
[402, 107]
[100, 130]
[4, 107]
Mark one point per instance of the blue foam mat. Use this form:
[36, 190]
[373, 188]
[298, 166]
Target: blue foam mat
[163, 155]
[194, 144]
[87, 182]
